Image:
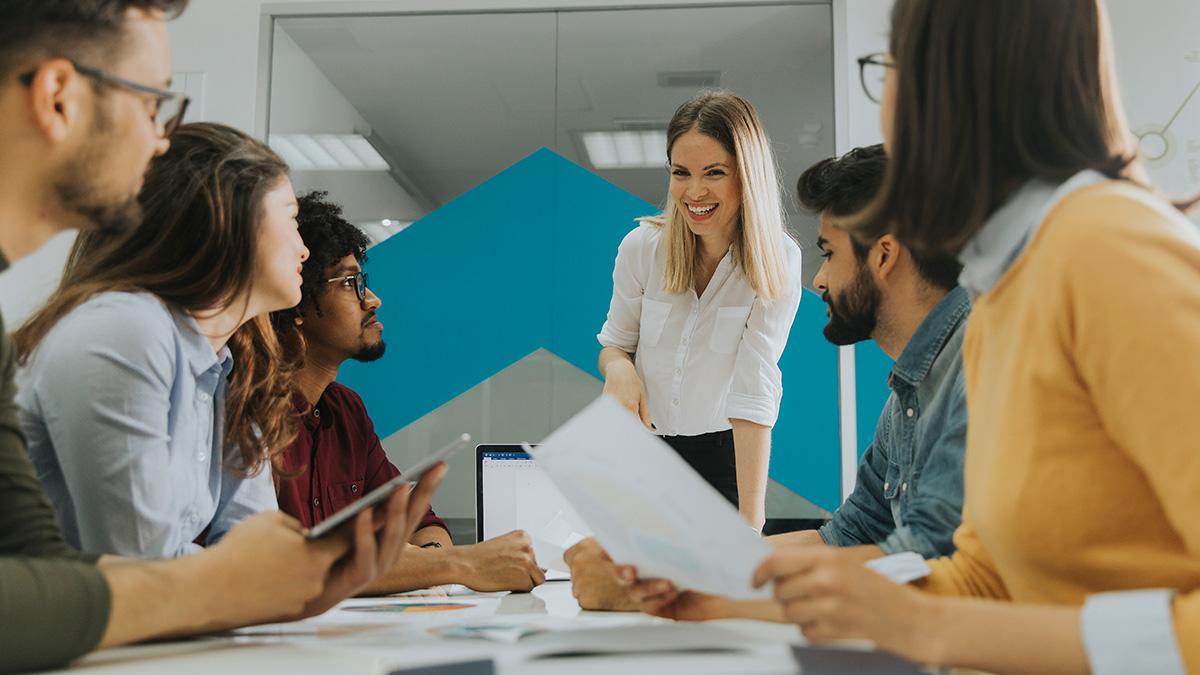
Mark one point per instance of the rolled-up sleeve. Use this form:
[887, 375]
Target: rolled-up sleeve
[105, 400]
[757, 386]
[865, 517]
[621, 329]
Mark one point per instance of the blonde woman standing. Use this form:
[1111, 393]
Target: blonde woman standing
[703, 299]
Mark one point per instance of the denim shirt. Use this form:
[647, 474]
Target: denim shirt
[909, 491]
[123, 402]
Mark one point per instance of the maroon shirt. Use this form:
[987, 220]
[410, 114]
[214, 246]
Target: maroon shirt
[341, 458]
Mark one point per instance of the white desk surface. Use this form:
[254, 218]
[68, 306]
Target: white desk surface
[377, 643]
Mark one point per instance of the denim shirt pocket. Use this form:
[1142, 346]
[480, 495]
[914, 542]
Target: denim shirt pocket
[891, 482]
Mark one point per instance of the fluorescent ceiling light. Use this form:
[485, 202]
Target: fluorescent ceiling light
[327, 152]
[626, 149]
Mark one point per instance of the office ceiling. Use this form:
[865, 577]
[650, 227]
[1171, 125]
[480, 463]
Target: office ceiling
[459, 97]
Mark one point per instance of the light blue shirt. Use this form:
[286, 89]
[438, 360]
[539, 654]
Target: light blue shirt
[1125, 631]
[123, 404]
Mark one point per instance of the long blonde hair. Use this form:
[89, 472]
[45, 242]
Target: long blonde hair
[759, 242]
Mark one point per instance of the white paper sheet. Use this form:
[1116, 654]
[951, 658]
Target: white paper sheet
[647, 506]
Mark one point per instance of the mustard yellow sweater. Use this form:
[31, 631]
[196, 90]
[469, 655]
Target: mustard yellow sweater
[1082, 469]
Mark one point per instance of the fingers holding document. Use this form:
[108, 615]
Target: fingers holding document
[832, 596]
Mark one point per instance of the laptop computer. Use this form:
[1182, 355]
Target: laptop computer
[513, 493]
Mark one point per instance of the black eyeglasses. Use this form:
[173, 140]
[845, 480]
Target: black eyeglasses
[169, 106]
[360, 283]
[872, 69]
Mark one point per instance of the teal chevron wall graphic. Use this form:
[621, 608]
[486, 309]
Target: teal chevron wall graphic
[524, 261]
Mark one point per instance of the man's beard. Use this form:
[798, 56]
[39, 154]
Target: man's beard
[369, 353]
[77, 190]
[853, 312]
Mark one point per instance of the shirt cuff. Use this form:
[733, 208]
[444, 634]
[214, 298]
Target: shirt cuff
[829, 535]
[901, 568]
[1131, 632]
[758, 409]
[610, 337]
[901, 539]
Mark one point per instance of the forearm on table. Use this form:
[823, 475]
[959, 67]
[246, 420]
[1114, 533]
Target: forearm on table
[431, 533]
[1000, 637]
[762, 610]
[163, 598]
[752, 443]
[798, 538]
[418, 568]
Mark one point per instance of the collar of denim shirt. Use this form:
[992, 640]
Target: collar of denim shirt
[924, 346]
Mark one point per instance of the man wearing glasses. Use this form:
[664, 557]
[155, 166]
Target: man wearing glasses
[82, 112]
[337, 456]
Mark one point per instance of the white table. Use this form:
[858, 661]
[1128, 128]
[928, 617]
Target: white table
[377, 643]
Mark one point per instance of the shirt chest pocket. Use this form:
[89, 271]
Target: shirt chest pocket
[654, 318]
[892, 481]
[342, 495]
[728, 329]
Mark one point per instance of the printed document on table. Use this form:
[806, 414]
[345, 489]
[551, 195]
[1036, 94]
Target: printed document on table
[647, 506]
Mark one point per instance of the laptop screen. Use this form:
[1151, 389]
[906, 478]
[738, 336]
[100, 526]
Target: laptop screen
[514, 493]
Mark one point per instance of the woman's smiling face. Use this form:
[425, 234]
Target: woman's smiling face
[705, 185]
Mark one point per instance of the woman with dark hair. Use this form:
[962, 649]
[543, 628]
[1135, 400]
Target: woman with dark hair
[153, 390]
[1080, 543]
[705, 294]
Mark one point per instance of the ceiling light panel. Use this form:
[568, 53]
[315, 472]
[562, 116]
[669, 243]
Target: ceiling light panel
[625, 149]
[327, 152]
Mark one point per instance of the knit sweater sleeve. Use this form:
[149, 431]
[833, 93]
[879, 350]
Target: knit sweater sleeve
[54, 603]
[968, 572]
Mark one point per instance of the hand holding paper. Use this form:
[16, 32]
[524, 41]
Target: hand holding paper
[647, 507]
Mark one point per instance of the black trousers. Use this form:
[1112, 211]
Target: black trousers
[712, 456]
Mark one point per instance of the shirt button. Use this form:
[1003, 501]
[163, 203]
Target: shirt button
[684, 342]
[316, 413]
[201, 457]
[679, 371]
[316, 502]
[904, 487]
[676, 401]
[694, 310]
[354, 488]
[203, 396]
[885, 486]
[909, 412]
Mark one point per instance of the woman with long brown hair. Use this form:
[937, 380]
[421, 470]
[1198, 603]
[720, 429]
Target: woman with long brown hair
[1080, 543]
[703, 299]
[153, 390]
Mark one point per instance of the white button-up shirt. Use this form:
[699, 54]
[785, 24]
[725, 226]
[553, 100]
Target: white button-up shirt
[703, 360]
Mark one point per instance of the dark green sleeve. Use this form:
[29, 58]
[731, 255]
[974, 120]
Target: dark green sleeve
[54, 602]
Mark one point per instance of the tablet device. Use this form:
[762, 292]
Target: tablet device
[379, 494]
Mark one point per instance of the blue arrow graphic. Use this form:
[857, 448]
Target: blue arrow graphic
[524, 261]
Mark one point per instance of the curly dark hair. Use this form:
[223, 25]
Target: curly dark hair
[329, 238]
[845, 186]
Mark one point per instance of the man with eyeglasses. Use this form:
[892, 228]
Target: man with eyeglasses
[337, 456]
[82, 111]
